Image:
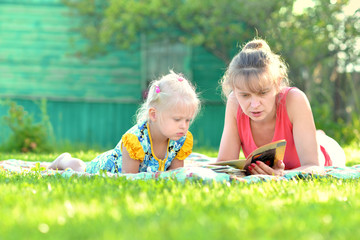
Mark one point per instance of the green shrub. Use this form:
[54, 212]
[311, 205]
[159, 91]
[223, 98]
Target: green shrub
[345, 132]
[27, 135]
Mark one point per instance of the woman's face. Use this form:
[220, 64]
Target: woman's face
[259, 105]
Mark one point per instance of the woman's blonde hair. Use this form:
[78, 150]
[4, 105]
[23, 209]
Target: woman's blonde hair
[255, 67]
[167, 92]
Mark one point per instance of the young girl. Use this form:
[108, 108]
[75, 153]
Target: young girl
[159, 141]
[261, 108]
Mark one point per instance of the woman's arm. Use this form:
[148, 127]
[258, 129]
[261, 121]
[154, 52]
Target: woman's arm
[304, 130]
[129, 165]
[230, 141]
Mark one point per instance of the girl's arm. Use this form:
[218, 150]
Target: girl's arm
[176, 163]
[230, 141]
[304, 130]
[129, 165]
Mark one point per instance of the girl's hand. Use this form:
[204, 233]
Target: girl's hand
[262, 168]
[176, 163]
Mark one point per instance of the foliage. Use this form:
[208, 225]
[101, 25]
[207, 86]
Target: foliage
[215, 25]
[26, 135]
[314, 39]
[316, 34]
[321, 47]
[319, 44]
[53, 207]
[343, 132]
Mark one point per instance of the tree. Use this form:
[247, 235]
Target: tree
[305, 40]
[319, 44]
[215, 25]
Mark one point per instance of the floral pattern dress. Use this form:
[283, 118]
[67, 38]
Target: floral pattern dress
[137, 141]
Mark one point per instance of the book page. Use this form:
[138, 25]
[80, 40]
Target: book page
[239, 163]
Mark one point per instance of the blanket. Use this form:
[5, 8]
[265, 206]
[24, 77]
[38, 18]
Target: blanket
[195, 169]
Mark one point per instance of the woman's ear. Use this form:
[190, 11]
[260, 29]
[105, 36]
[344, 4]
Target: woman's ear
[152, 114]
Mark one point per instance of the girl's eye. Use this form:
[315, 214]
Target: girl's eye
[177, 119]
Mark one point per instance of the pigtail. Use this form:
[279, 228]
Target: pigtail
[166, 92]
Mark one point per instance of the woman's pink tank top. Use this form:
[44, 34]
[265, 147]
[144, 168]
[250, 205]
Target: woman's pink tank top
[283, 130]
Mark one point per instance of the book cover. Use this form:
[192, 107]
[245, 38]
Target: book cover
[268, 154]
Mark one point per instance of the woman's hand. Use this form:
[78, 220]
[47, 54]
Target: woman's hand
[261, 168]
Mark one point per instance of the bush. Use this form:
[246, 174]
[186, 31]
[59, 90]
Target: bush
[345, 132]
[26, 135]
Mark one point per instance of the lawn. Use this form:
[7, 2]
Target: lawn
[35, 207]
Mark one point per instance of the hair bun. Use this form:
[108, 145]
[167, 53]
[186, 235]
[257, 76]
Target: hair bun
[257, 44]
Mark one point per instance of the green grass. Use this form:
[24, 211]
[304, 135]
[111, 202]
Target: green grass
[352, 153]
[105, 208]
[36, 207]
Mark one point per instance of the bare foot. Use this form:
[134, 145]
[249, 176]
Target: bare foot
[319, 131]
[55, 163]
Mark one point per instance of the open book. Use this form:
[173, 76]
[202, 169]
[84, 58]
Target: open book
[269, 154]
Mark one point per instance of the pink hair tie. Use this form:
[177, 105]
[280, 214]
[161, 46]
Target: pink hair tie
[157, 89]
[180, 79]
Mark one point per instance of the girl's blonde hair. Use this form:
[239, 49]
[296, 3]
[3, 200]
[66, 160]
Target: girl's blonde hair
[255, 67]
[167, 92]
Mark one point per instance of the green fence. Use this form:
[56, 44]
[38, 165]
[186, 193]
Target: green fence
[92, 101]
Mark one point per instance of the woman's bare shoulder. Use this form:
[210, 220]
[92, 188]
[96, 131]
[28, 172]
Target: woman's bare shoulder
[296, 102]
[295, 94]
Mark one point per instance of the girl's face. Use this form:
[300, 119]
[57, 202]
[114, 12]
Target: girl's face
[260, 106]
[174, 123]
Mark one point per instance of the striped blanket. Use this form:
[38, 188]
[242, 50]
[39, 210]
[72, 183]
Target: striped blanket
[194, 170]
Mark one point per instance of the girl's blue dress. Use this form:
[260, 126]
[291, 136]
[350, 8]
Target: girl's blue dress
[137, 142]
